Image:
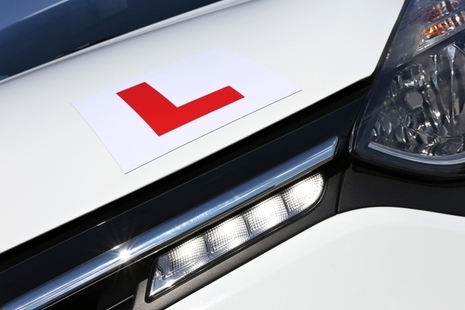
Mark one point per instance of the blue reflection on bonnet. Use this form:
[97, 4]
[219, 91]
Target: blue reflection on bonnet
[35, 32]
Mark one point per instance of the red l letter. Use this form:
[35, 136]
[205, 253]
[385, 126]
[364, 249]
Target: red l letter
[163, 116]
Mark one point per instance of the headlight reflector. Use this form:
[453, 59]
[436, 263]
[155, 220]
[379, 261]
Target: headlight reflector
[422, 116]
[415, 110]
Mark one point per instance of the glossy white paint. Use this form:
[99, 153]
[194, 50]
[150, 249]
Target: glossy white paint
[375, 258]
[55, 169]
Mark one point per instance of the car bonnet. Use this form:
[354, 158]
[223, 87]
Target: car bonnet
[55, 168]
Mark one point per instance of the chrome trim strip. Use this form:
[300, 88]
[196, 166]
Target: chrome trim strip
[448, 160]
[142, 244]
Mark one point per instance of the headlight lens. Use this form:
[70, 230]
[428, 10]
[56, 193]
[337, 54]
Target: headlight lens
[414, 117]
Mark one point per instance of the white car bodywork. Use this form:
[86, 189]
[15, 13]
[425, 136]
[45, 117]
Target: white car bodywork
[55, 168]
[374, 258]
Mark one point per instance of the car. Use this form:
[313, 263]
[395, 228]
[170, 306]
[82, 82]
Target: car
[232, 154]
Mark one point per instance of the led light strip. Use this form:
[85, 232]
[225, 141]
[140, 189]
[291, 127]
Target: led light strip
[147, 242]
[201, 250]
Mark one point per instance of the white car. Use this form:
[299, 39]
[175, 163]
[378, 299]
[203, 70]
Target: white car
[232, 154]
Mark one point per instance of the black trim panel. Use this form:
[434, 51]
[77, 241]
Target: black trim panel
[366, 186]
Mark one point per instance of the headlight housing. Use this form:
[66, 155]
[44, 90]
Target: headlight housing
[414, 115]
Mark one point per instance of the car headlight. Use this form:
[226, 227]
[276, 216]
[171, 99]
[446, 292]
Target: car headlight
[414, 116]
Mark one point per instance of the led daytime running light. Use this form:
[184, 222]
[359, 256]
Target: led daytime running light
[231, 233]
